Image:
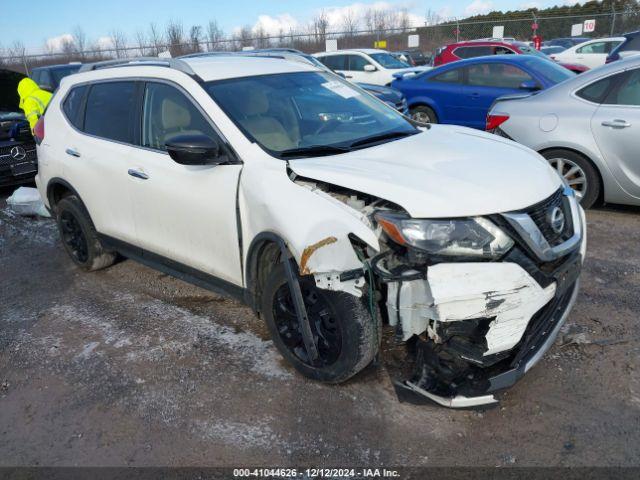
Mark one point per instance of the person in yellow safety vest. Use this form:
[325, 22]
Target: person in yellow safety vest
[33, 100]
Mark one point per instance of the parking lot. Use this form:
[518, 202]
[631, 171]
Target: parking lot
[128, 366]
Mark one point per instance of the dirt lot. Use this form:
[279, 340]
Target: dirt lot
[130, 367]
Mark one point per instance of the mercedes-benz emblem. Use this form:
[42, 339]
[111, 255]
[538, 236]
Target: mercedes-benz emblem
[18, 153]
[555, 217]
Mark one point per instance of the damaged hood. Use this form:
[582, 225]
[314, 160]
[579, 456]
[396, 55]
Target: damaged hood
[445, 171]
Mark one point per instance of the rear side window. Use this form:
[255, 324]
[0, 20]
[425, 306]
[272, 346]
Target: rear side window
[628, 91]
[110, 111]
[335, 62]
[72, 106]
[497, 75]
[470, 52]
[597, 91]
[598, 47]
[452, 76]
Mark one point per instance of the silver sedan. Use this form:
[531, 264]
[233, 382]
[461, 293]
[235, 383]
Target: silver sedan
[587, 127]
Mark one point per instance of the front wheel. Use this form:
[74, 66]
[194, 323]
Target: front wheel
[423, 114]
[578, 173]
[344, 332]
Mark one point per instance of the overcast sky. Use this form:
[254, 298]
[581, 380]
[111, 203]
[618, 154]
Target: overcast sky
[45, 21]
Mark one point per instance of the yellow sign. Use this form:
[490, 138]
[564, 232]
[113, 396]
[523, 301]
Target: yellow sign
[380, 44]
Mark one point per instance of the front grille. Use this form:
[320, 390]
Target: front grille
[6, 159]
[539, 214]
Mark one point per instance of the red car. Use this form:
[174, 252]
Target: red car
[479, 48]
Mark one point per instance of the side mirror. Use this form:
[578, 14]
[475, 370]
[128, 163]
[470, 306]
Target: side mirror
[340, 74]
[369, 68]
[529, 85]
[195, 150]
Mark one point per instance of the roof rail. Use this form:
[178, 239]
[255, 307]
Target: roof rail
[174, 63]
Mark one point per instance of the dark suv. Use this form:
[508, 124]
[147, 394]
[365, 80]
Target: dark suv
[48, 78]
[631, 45]
[17, 147]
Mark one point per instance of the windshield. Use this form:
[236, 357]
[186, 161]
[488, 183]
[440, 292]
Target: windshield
[528, 50]
[389, 61]
[549, 69]
[306, 113]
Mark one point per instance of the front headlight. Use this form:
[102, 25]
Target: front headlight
[466, 237]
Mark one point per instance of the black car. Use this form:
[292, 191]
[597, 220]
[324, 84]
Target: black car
[567, 42]
[631, 44]
[414, 58]
[48, 78]
[18, 162]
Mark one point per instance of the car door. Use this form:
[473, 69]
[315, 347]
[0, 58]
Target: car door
[183, 212]
[441, 90]
[616, 128]
[484, 82]
[97, 151]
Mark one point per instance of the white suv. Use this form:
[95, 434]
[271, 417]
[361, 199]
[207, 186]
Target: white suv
[326, 211]
[366, 65]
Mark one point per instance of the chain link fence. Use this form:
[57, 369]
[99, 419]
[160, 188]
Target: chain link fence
[431, 37]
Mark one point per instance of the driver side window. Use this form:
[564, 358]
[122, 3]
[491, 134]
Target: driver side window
[357, 63]
[167, 113]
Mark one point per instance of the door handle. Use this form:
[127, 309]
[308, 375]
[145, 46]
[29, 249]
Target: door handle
[138, 174]
[348, 76]
[72, 152]
[616, 123]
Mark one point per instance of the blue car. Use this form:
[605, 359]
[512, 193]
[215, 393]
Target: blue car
[462, 92]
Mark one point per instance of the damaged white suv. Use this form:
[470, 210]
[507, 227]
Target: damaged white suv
[325, 210]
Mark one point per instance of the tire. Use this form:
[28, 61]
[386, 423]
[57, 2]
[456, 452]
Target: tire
[423, 114]
[79, 236]
[578, 172]
[349, 338]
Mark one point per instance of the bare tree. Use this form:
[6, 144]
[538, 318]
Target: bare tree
[215, 35]
[432, 18]
[174, 32]
[118, 43]
[320, 25]
[245, 37]
[80, 41]
[404, 21]
[260, 34]
[155, 39]
[195, 37]
[350, 23]
[143, 43]
[18, 52]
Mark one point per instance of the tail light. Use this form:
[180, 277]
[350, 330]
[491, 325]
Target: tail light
[495, 120]
[38, 130]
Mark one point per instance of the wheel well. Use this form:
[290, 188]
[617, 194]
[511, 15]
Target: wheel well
[601, 196]
[57, 191]
[264, 255]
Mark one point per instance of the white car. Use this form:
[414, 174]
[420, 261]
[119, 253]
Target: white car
[591, 54]
[325, 210]
[366, 65]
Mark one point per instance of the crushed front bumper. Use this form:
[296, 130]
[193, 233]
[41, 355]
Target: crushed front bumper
[477, 328]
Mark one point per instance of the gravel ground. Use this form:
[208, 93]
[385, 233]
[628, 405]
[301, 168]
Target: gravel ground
[128, 366]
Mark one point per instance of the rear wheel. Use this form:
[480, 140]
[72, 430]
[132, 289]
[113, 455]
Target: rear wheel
[79, 236]
[578, 173]
[344, 333]
[423, 114]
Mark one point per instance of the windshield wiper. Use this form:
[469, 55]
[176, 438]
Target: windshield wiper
[381, 137]
[313, 151]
